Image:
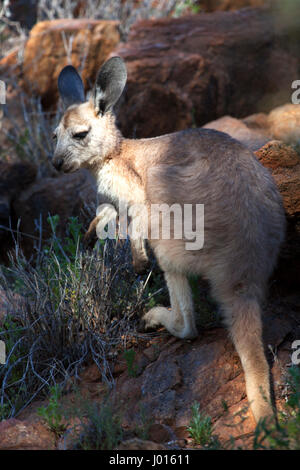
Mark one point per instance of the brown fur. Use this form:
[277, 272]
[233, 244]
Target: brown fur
[243, 230]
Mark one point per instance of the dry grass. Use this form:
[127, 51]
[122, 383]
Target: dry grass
[29, 136]
[75, 307]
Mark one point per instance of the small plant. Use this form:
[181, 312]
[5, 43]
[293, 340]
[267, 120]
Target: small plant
[52, 412]
[101, 429]
[4, 412]
[200, 427]
[224, 405]
[284, 434]
[129, 356]
[142, 430]
[184, 7]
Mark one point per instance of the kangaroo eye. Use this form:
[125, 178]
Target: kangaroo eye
[80, 135]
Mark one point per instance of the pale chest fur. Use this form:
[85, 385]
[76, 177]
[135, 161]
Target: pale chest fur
[119, 185]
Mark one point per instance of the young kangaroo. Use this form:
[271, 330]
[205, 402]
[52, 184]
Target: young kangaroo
[244, 217]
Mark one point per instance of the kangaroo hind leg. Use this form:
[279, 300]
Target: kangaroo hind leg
[179, 321]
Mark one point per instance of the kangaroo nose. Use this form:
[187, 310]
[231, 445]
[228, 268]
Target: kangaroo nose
[57, 163]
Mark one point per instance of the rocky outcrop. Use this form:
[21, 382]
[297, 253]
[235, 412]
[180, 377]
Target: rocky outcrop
[84, 43]
[282, 123]
[19, 435]
[253, 138]
[170, 375]
[188, 71]
[26, 203]
[15, 178]
[23, 12]
[224, 5]
[284, 163]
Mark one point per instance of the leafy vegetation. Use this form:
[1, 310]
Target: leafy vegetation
[52, 413]
[285, 434]
[129, 356]
[200, 427]
[100, 426]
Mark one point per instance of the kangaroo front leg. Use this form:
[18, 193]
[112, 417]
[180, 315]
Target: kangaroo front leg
[140, 259]
[138, 216]
[105, 214]
[179, 321]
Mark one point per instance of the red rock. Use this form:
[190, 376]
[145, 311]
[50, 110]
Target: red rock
[224, 5]
[191, 70]
[254, 131]
[91, 374]
[64, 196]
[285, 164]
[284, 123]
[139, 444]
[19, 435]
[237, 423]
[86, 42]
[275, 154]
[161, 433]
[254, 139]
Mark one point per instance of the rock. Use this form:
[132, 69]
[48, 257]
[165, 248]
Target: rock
[65, 196]
[9, 303]
[284, 123]
[206, 370]
[24, 12]
[284, 163]
[275, 155]
[254, 131]
[85, 43]
[187, 71]
[15, 178]
[139, 444]
[161, 433]
[254, 139]
[19, 435]
[26, 202]
[237, 423]
[224, 5]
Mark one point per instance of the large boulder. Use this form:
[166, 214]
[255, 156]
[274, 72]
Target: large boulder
[26, 202]
[68, 195]
[284, 163]
[84, 43]
[20, 435]
[188, 71]
[282, 123]
[15, 178]
[172, 374]
[224, 5]
[24, 12]
[253, 138]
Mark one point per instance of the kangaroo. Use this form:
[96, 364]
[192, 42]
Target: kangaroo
[244, 220]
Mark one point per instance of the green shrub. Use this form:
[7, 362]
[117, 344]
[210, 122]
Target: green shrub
[200, 427]
[100, 428]
[52, 413]
[285, 434]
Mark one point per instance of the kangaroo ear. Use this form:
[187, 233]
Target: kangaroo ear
[109, 85]
[70, 86]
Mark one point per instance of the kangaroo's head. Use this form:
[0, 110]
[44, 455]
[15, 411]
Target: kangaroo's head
[87, 134]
